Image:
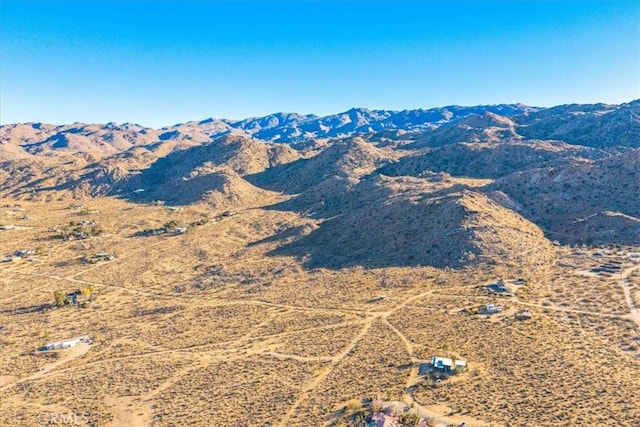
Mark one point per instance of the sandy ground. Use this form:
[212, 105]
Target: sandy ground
[128, 413]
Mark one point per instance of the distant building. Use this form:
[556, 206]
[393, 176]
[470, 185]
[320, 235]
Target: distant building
[499, 287]
[491, 309]
[72, 297]
[62, 345]
[103, 256]
[25, 253]
[447, 365]
[524, 315]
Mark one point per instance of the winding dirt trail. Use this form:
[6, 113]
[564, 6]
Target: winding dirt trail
[625, 283]
[321, 375]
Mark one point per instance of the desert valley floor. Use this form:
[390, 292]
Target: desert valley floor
[213, 325]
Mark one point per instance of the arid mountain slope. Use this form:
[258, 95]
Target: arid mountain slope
[110, 138]
[604, 227]
[220, 187]
[350, 158]
[95, 140]
[557, 197]
[414, 227]
[597, 125]
[185, 176]
[485, 127]
[488, 160]
[294, 128]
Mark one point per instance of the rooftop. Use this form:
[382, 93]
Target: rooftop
[445, 362]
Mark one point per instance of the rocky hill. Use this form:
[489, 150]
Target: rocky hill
[564, 199]
[351, 158]
[488, 160]
[95, 140]
[598, 125]
[485, 127]
[384, 221]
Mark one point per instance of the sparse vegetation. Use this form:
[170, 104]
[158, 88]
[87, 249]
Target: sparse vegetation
[78, 230]
[60, 298]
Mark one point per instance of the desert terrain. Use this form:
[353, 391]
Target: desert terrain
[227, 280]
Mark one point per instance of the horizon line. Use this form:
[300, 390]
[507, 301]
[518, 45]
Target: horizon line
[253, 117]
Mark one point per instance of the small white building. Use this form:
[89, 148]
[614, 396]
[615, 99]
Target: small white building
[61, 345]
[446, 364]
[524, 315]
[491, 309]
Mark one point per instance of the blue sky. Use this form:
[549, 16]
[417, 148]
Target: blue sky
[161, 62]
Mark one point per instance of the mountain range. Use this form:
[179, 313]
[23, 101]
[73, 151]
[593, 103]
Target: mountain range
[442, 186]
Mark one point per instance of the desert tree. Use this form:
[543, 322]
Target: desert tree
[60, 298]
